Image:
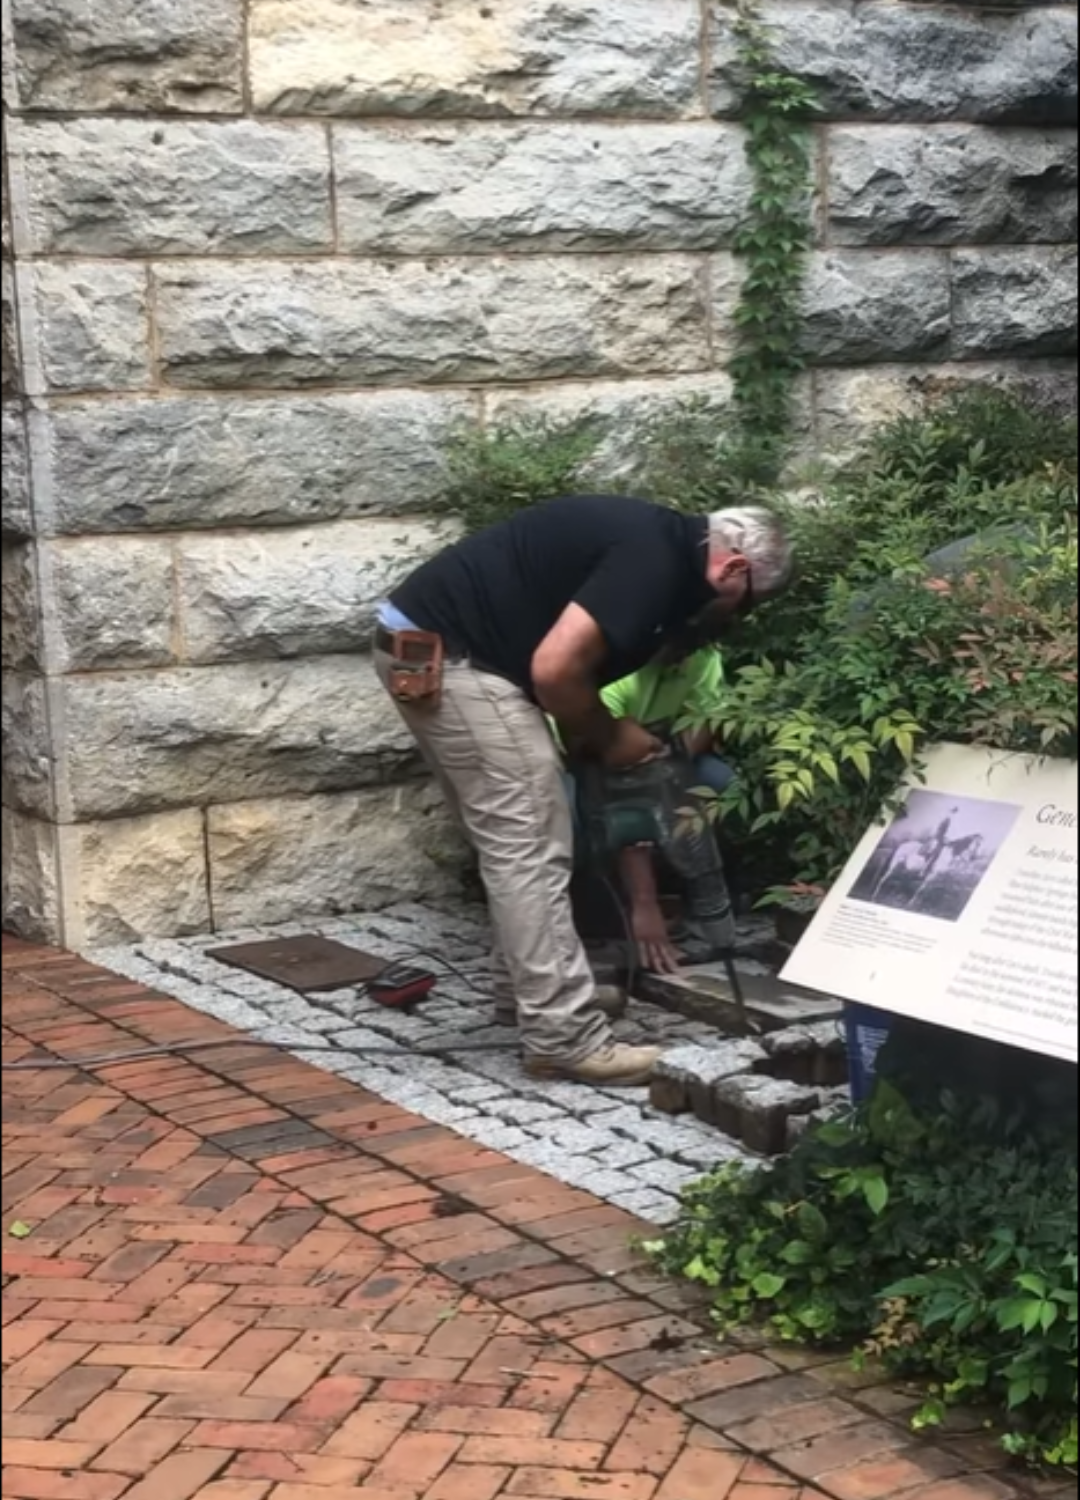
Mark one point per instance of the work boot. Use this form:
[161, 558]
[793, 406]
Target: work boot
[610, 1000]
[614, 1066]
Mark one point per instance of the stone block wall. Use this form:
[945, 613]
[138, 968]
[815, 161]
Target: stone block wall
[262, 256]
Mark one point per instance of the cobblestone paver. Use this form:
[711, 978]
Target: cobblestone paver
[230, 1276]
[609, 1141]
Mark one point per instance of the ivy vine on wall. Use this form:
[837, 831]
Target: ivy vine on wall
[775, 238]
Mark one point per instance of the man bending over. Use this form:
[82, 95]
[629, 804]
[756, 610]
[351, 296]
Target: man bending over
[532, 617]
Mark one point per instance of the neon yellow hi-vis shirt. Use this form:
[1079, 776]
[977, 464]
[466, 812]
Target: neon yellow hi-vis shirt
[665, 694]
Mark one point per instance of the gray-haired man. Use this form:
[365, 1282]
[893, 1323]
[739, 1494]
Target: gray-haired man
[533, 617]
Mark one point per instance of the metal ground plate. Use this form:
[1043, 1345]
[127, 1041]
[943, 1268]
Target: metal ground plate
[307, 964]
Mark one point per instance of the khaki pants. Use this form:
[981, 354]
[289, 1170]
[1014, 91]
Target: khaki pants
[497, 764]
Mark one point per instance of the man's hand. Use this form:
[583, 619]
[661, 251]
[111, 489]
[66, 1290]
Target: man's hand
[631, 746]
[658, 953]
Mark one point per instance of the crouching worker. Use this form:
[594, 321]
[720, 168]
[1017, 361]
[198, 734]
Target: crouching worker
[534, 617]
[683, 684]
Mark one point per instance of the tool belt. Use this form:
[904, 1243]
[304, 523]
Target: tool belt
[417, 660]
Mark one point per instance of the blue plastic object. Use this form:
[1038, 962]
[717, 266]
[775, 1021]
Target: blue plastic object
[866, 1032]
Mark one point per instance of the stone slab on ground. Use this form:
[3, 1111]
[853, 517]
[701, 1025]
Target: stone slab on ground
[244, 1279]
[705, 994]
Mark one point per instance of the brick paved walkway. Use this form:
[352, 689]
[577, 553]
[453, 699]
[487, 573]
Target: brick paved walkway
[248, 1280]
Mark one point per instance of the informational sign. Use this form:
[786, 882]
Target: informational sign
[961, 908]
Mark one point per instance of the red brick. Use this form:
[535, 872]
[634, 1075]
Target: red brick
[794, 1424]
[549, 1387]
[336, 1492]
[272, 1437]
[221, 1408]
[300, 1468]
[371, 1432]
[209, 1385]
[415, 1461]
[69, 1393]
[881, 1479]
[547, 1453]
[646, 1334]
[253, 1351]
[435, 1393]
[45, 1484]
[179, 1477]
[468, 1482]
[51, 1453]
[25, 1336]
[839, 1450]
[462, 1336]
[150, 1356]
[682, 1386]
[235, 1489]
[702, 1474]
[28, 1263]
[330, 1400]
[980, 1487]
[377, 1366]
[600, 1412]
[105, 1419]
[652, 1440]
[562, 1484]
[629, 1313]
[481, 1421]
[143, 1445]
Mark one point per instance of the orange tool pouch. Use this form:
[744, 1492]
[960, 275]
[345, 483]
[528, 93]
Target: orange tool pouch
[417, 658]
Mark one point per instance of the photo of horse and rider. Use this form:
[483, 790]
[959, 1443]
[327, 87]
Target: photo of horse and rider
[934, 854]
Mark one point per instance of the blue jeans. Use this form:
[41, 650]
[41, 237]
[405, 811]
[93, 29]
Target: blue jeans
[709, 771]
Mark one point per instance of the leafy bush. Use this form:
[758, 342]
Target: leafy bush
[821, 1246]
[497, 471]
[833, 689]
[695, 461]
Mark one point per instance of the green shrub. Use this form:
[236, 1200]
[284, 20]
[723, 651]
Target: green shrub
[833, 689]
[499, 470]
[980, 1204]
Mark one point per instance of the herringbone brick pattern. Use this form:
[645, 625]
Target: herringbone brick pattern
[231, 1277]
